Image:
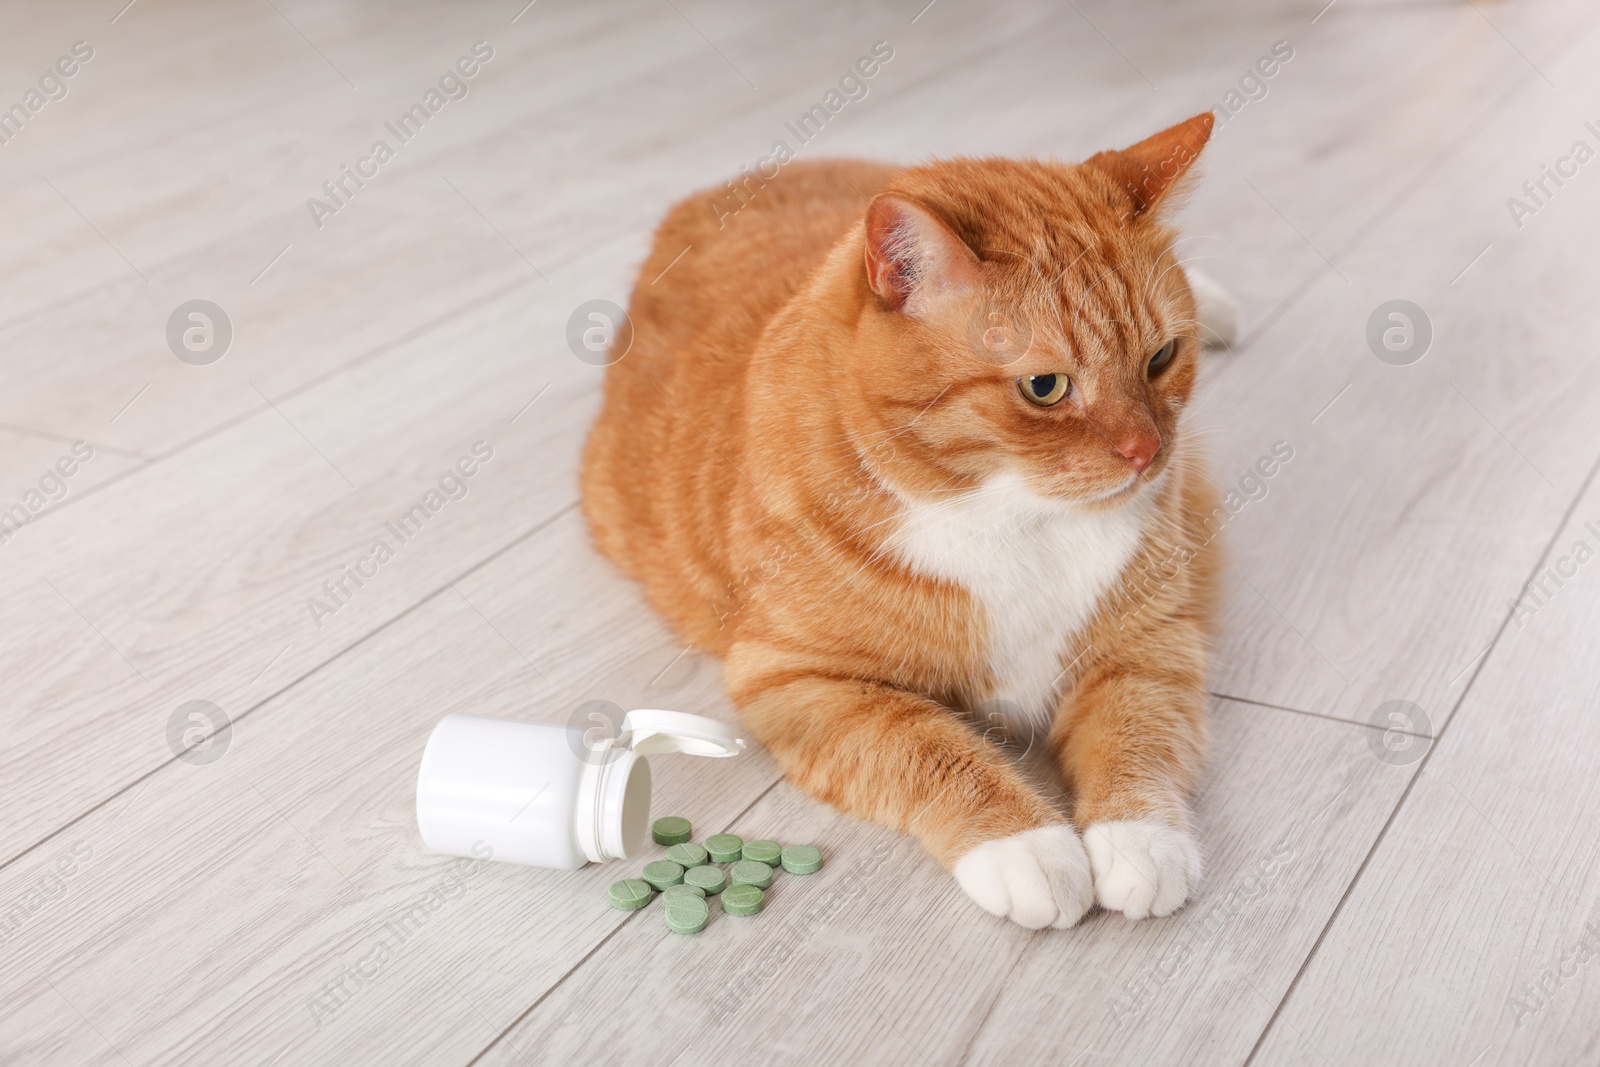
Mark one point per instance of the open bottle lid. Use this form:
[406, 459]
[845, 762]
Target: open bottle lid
[652, 732]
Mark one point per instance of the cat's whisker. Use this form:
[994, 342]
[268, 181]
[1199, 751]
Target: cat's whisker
[889, 433]
[939, 504]
[933, 508]
[1180, 263]
[847, 438]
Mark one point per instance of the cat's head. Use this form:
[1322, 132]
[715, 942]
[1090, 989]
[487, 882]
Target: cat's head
[1028, 319]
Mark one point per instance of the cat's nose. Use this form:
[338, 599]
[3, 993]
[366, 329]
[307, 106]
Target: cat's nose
[1140, 448]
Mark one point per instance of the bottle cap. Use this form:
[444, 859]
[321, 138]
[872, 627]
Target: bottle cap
[547, 796]
[651, 732]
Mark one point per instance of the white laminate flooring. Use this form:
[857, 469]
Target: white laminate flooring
[1432, 902]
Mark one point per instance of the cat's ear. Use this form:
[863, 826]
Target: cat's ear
[912, 255]
[1149, 169]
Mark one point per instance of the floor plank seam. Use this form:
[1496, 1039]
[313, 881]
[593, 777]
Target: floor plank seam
[50, 435]
[1392, 140]
[1000, 988]
[542, 997]
[1302, 711]
[376, 352]
[426, 165]
[1517, 86]
[363, 639]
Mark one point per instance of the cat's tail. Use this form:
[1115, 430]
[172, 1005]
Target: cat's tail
[1215, 308]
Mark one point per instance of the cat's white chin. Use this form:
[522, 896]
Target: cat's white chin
[1133, 487]
[1037, 878]
[1142, 867]
[1115, 491]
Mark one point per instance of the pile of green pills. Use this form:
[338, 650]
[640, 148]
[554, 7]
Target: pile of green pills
[689, 876]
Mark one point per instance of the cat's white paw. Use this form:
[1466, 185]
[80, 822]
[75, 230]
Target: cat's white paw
[1214, 307]
[1142, 867]
[1037, 878]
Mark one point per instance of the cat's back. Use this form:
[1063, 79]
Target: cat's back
[727, 258]
[662, 458]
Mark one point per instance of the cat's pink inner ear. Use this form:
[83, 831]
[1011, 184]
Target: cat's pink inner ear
[1149, 169]
[911, 254]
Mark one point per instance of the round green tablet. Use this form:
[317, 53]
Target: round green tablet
[672, 830]
[687, 914]
[630, 894]
[662, 873]
[682, 889]
[724, 848]
[802, 859]
[707, 877]
[687, 854]
[746, 872]
[763, 852]
[741, 900]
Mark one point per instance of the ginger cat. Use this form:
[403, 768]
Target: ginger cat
[899, 444]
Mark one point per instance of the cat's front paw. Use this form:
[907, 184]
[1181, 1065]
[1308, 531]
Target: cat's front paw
[1142, 867]
[1037, 878]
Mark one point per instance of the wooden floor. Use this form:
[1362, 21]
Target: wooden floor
[1422, 895]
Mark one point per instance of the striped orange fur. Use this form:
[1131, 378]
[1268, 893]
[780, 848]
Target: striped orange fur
[820, 384]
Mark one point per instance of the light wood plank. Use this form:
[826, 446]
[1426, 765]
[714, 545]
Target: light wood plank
[411, 245]
[205, 591]
[489, 157]
[257, 879]
[1422, 493]
[1486, 885]
[882, 959]
[31, 475]
[239, 625]
[218, 900]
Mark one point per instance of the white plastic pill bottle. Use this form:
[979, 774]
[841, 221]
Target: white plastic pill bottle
[547, 795]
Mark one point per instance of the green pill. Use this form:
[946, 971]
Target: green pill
[672, 830]
[745, 872]
[766, 852]
[682, 889]
[687, 914]
[724, 848]
[662, 873]
[709, 878]
[802, 859]
[742, 900]
[630, 894]
[687, 854]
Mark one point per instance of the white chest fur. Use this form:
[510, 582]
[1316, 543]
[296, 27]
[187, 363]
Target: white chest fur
[1037, 567]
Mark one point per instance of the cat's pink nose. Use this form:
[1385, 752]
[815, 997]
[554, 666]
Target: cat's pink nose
[1140, 448]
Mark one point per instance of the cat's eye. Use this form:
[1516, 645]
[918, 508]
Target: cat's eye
[1162, 359]
[1045, 390]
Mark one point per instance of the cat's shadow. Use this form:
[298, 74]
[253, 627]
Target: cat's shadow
[1024, 739]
